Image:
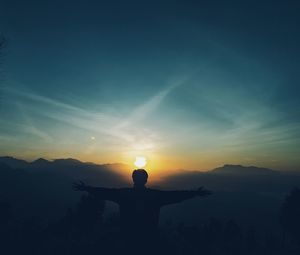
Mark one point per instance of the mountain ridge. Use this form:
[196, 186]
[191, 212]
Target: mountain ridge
[240, 169]
[41, 162]
[13, 162]
[45, 187]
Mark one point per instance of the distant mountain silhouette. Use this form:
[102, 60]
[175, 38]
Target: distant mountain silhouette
[13, 162]
[40, 163]
[235, 177]
[9, 175]
[73, 169]
[242, 170]
[4, 167]
[44, 187]
[67, 162]
[237, 190]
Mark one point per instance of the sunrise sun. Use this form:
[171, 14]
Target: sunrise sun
[140, 161]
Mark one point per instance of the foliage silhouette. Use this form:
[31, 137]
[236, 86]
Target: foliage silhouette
[290, 215]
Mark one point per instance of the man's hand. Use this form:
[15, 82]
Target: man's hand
[203, 192]
[79, 186]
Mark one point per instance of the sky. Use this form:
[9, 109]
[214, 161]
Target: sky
[187, 84]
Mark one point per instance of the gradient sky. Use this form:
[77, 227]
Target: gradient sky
[188, 84]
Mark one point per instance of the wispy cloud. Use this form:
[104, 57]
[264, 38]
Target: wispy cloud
[143, 111]
[97, 122]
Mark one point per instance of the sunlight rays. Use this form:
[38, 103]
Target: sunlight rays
[233, 126]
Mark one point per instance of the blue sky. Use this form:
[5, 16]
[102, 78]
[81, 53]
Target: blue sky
[188, 84]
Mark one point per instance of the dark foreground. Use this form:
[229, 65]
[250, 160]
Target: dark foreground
[85, 231]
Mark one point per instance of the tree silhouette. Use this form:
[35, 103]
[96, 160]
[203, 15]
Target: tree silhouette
[232, 238]
[6, 217]
[89, 214]
[213, 234]
[81, 222]
[5, 212]
[290, 215]
[251, 240]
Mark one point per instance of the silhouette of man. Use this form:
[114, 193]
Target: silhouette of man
[140, 206]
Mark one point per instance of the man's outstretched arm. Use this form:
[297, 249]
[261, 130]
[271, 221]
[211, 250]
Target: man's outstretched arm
[102, 193]
[177, 196]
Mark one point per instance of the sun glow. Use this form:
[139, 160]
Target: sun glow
[140, 162]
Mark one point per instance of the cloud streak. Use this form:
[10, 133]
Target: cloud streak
[124, 130]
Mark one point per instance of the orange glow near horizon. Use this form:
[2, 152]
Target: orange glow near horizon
[159, 163]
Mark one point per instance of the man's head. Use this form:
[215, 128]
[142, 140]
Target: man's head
[139, 177]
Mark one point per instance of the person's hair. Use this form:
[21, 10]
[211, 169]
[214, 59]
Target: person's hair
[139, 176]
